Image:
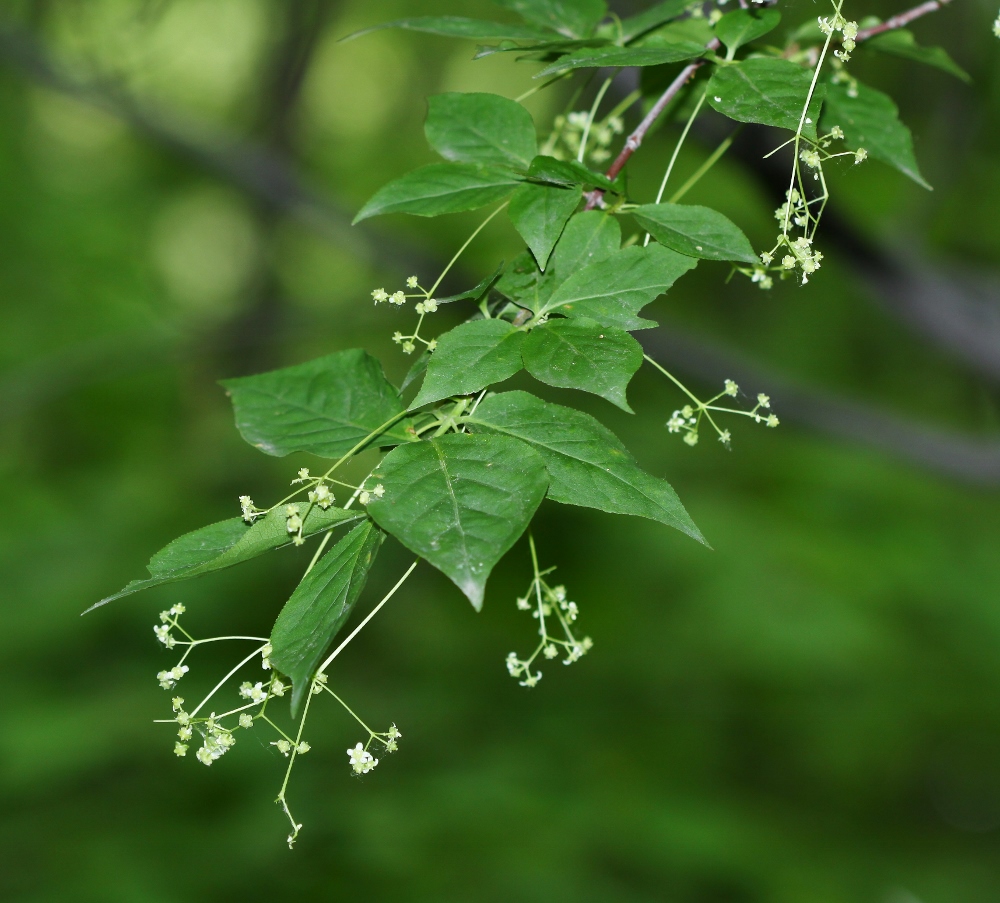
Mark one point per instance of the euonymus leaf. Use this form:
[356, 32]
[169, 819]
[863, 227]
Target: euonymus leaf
[525, 284]
[230, 542]
[587, 464]
[460, 502]
[900, 42]
[742, 26]
[768, 91]
[695, 231]
[589, 236]
[582, 354]
[477, 291]
[568, 172]
[481, 128]
[441, 188]
[539, 213]
[471, 357]
[326, 406]
[461, 27]
[597, 57]
[320, 606]
[612, 291]
[573, 18]
[651, 18]
[417, 369]
[870, 120]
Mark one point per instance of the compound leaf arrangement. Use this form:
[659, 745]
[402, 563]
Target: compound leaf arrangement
[463, 467]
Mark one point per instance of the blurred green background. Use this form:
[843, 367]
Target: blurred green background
[807, 714]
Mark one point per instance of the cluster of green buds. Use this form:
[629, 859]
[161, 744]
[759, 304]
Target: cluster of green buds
[848, 33]
[568, 132]
[426, 305]
[687, 420]
[544, 601]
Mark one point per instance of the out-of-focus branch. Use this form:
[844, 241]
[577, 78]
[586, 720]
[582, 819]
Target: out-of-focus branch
[634, 140]
[901, 20]
[970, 460]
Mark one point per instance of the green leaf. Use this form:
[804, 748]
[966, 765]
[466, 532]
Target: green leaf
[525, 284]
[417, 369]
[598, 57]
[481, 128]
[870, 120]
[900, 42]
[227, 543]
[478, 290]
[326, 406]
[742, 26]
[460, 27]
[573, 18]
[569, 172]
[320, 606]
[652, 18]
[460, 502]
[765, 90]
[539, 213]
[441, 188]
[582, 354]
[471, 357]
[587, 463]
[590, 236]
[695, 231]
[614, 290]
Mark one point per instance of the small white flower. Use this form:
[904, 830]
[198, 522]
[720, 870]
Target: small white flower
[430, 306]
[321, 496]
[302, 748]
[180, 749]
[378, 491]
[571, 612]
[362, 761]
[265, 661]
[411, 282]
[764, 400]
[550, 651]
[772, 420]
[530, 679]
[724, 437]
[283, 746]
[185, 733]
[380, 295]
[513, 663]
[523, 604]
[397, 298]
[246, 720]
[860, 155]
[365, 497]
[278, 688]
[432, 345]
[393, 733]
[691, 438]
[676, 422]
[408, 347]
[731, 388]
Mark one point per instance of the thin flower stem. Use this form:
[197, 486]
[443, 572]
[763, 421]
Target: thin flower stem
[531, 91]
[676, 153]
[222, 682]
[350, 711]
[538, 588]
[459, 252]
[674, 380]
[590, 118]
[368, 617]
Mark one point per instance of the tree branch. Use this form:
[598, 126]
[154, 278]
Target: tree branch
[901, 20]
[633, 142]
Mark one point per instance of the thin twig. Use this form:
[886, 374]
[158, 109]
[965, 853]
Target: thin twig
[634, 141]
[901, 20]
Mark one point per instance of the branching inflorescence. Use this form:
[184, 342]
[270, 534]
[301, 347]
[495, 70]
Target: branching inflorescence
[462, 467]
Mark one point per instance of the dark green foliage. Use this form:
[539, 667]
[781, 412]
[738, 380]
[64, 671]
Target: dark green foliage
[227, 543]
[539, 213]
[320, 606]
[741, 26]
[695, 231]
[326, 406]
[460, 502]
[587, 463]
[480, 128]
[870, 120]
[469, 358]
[582, 354]
[768, 91]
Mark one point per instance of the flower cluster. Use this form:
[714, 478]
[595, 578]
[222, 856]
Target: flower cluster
[362, 761]
[568, 131]
[250, 511]
[544, 601]
[848, 32]
[688, 419]
[366, 495]
[168, 621]
[426, 305]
